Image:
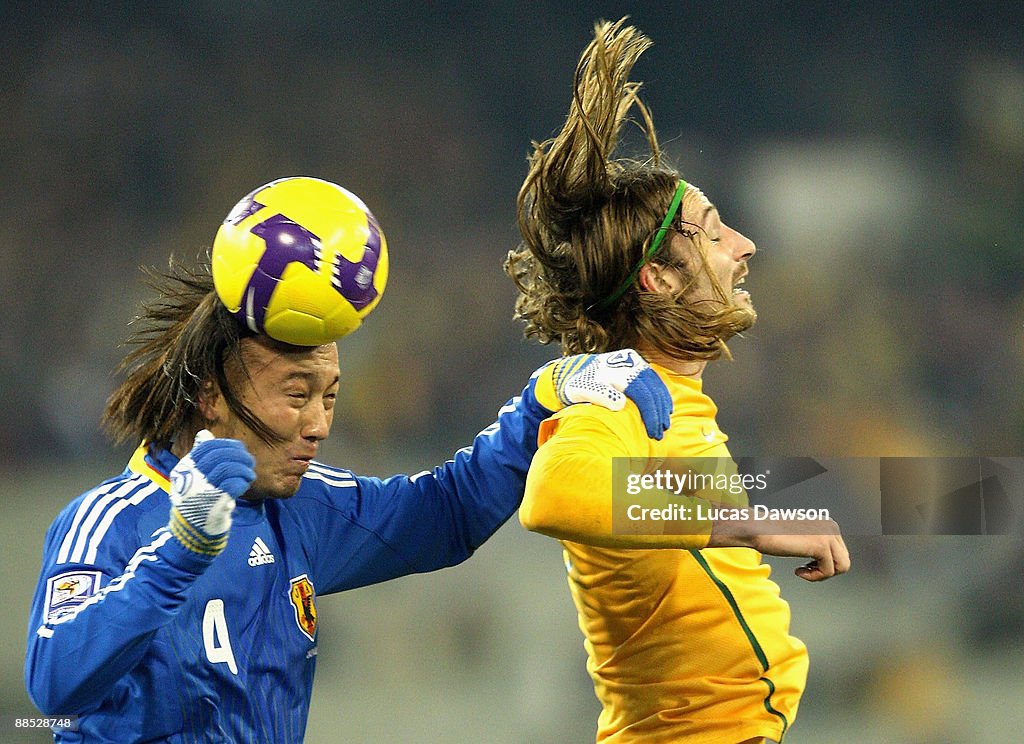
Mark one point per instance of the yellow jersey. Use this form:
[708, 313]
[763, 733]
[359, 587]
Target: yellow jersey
[686, 644]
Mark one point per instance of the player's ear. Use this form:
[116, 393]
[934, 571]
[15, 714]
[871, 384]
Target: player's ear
[652, 278]
[211, 402]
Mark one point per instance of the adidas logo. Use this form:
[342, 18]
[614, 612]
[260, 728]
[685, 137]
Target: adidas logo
[259, 554]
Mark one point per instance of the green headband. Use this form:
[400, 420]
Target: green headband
[659, 236]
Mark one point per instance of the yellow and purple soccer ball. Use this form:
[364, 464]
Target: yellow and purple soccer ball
[301, 260]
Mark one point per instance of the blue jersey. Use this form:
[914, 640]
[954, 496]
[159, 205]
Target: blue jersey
[144, 640]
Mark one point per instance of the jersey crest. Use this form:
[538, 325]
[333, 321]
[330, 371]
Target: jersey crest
[304, 603]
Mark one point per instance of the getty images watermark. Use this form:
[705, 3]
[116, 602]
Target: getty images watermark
[718, 492]
[867, 496]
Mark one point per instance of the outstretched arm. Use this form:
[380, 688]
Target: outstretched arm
[437, 518]
[569, 496]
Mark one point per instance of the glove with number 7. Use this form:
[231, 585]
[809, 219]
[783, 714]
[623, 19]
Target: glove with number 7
[607, 380]
[204, 486]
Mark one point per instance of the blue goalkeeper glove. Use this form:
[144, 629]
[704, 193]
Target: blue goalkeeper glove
[607, 380]
[204, 486]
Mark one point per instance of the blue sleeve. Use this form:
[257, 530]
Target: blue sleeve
[97, 606]
[400, 525]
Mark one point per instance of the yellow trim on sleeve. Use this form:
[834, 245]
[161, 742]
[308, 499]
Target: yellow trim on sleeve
[544, 388]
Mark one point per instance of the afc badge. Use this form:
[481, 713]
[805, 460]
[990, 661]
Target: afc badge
[66, 592]
[304, 603]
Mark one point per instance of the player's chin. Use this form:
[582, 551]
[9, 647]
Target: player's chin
[746, 315]
[281, 486]
[741, 299]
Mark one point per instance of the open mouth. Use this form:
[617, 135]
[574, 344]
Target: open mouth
[737, 290]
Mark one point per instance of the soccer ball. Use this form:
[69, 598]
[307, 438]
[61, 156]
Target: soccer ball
[301, 260]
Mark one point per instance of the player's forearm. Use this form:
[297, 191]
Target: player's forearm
[732, 533]
[710, 525]
[742, 529]
[463, 502]
[818, 540]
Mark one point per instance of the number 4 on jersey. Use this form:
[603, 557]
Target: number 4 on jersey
[215, 636]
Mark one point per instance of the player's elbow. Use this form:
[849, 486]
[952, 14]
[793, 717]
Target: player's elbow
[540, 510]
[44, 694]
[51, 699]
[43, 702]
[48, 688]
[543, 516]
[531, 517]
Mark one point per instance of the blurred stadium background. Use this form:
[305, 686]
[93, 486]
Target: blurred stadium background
[873, 150]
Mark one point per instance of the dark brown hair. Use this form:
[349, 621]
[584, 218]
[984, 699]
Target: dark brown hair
[184, 338]
[587, 219]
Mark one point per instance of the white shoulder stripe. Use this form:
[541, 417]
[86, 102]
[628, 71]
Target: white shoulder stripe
[339, 481]
[92, 516]
[108, 519]
[319, 467]
[83, 509]
[334, 474]
[78, 552]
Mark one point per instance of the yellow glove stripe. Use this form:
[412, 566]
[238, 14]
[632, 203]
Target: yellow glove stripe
[194, 540]
[566, 369]
[544, 388]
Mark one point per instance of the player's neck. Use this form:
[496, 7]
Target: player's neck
[686, 367]
[182, 444]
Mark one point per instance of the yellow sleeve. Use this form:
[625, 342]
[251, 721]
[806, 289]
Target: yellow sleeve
[569, 489]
